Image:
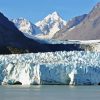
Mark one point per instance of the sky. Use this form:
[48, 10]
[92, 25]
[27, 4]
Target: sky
[35, 10]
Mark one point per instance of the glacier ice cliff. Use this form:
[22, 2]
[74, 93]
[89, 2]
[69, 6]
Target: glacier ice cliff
[73, 67]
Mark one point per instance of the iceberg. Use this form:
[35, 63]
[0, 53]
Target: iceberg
[69, 68]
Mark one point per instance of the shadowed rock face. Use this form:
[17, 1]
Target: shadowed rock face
[88, 29]
[13, 41]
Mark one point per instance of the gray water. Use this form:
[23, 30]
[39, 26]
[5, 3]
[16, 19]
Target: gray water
[50, 92]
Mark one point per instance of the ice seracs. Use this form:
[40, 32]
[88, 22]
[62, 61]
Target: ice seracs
[70, 68]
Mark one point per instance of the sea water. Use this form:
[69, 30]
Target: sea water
[49, 92]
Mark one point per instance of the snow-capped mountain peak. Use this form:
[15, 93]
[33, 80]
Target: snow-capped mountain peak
[53, 16]
[44, 29]
[50, 25]
[26, 26]
[22, 23]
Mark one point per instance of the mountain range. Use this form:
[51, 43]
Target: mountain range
[83, 27]
[88, 29]
[44, 29]
[48, 27]
[21, 36]
[14, 41]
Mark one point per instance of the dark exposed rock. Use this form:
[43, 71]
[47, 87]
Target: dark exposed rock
[17, 83]
[14, 41]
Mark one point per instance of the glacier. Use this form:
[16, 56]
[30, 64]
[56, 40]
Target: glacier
[69, 68]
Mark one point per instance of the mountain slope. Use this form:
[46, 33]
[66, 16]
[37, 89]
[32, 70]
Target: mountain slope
[88, 29]
[50, 25]
[70, 25]
[47, 27]
[11, 39]
[14, 41]
[26, 26]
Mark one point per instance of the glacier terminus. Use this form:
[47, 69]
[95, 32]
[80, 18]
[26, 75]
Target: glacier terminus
[62, 67]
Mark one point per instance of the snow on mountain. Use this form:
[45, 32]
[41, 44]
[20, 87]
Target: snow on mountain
[74, 67]
[50, 25]
[26, 26]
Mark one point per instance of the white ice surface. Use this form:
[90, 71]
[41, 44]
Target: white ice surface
[72, 67]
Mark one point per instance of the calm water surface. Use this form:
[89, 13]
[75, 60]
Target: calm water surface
[50, 92]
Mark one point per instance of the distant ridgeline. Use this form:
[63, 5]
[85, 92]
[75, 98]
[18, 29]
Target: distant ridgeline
[13, 41]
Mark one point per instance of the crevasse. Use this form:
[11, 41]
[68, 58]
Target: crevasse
[74, 67]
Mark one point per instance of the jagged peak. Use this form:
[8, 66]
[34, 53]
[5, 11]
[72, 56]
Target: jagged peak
[22, 22]
[97, 5]
[20, 19]
[53, 15]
